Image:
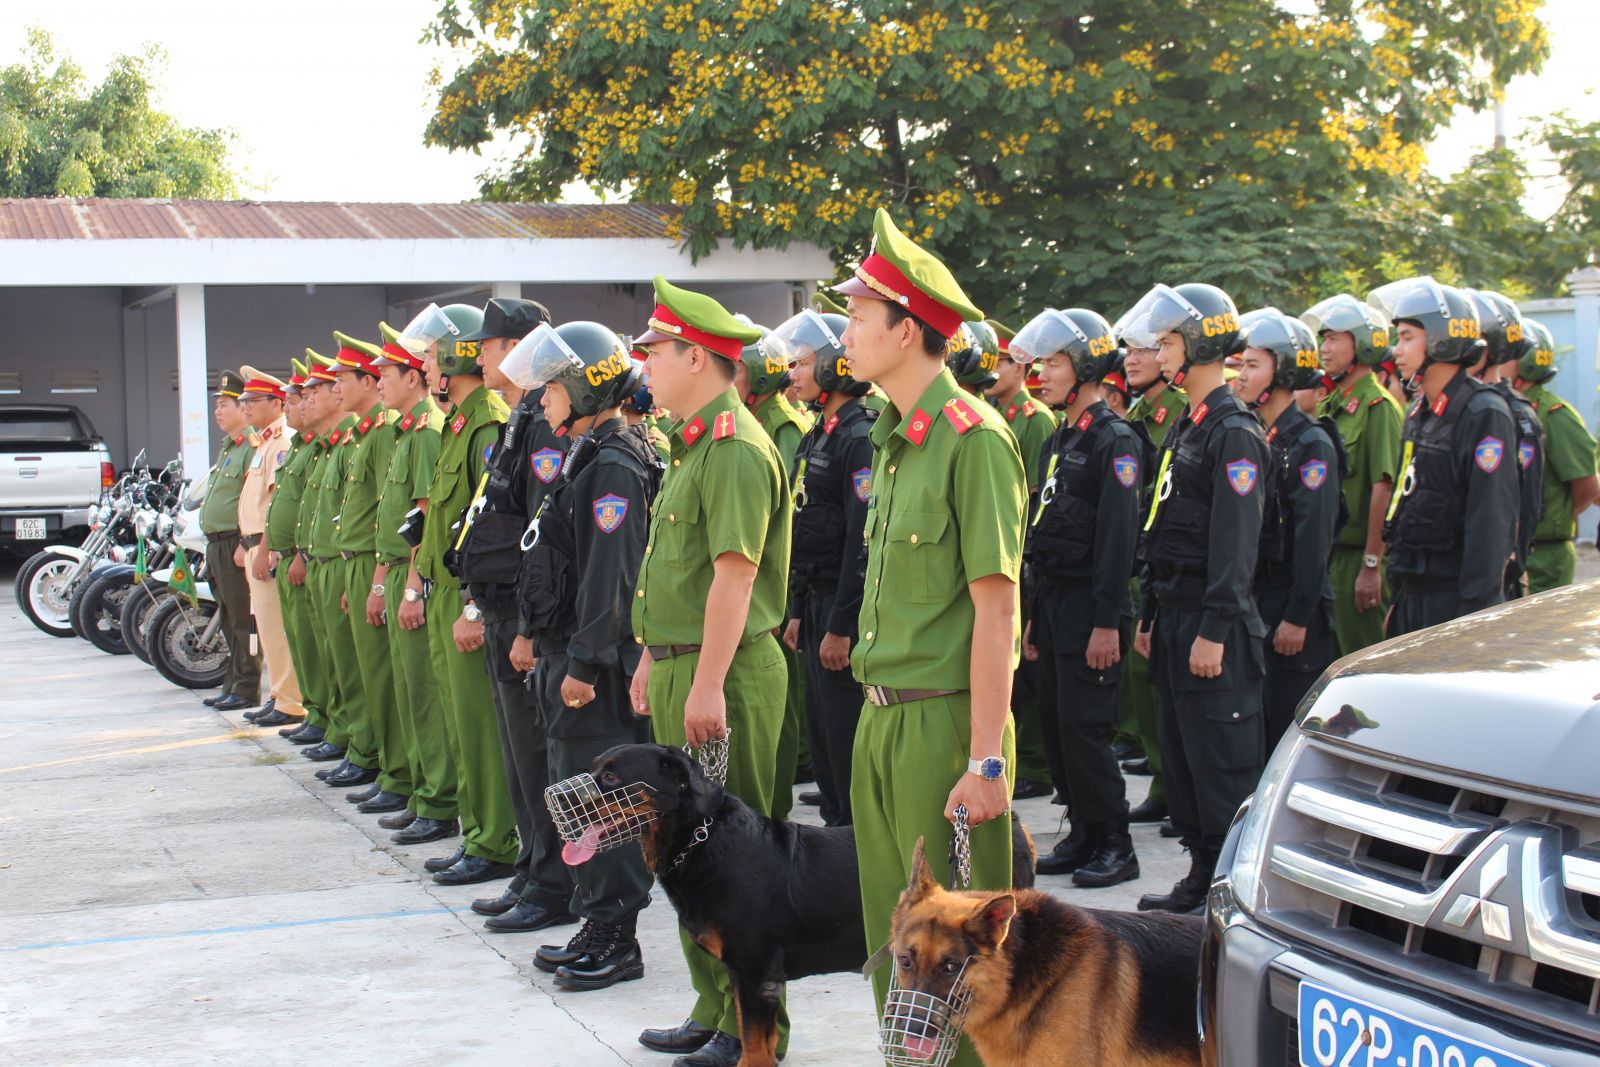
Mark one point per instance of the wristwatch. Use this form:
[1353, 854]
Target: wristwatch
[472, 613]
[412, 596]
[1369, 560]
[377, 588]
[989, 768]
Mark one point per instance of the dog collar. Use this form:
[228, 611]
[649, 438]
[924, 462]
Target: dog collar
[701, 834]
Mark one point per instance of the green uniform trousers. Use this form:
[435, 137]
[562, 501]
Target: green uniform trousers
[1354, 629]
[1551, 565]
[421, 718]
[792, 748]
[755, 691]
[1031, 761]
[309, 668]
[377, 677]
[907, 759]
[354, 710]
[318, 575]
[488, 822]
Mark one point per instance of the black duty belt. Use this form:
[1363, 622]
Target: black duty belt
[250, 540]
[658, 652]
[882, 696]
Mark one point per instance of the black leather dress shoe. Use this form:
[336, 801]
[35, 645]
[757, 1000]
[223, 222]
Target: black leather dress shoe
[470, 870]
[232, 703]
[211, 702]
[1027, 789]
[804, 774]
[304, 734]
[689, 1037]
[421, 830]
[399, 820]
[525, 915]
[1148, 810]
[352, 776]
[1070, 853]
[382, 802]
[262, 712]
[1169, 830]
[1122, 749]
[278, 718]
[335, 769]
[363, 795]
[435, 864]
[1140, 766]
[811, 798]
[723, 1050]
[323, 753]
[508, 899]
[612, 959]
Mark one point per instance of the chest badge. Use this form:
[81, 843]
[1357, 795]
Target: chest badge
[1126, 468]
[861, 482]
[546, 464]
[1488, 454]
[609, 511]
[1242, 476]
[1313, 474]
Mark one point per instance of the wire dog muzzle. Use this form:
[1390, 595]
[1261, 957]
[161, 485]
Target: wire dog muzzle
[923, 1029]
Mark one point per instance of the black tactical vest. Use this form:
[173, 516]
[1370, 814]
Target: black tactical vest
[820, 487]
[1275, 555]
[1060, 541]
[1181, 530]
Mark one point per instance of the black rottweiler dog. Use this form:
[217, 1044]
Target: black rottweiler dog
[772, 900]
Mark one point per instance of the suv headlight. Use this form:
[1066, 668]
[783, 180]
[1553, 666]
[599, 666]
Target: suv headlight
[1250, 853]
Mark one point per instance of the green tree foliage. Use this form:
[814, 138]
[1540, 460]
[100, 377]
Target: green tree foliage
[60, 136]
[1055, 151]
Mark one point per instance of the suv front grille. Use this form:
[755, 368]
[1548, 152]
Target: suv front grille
[1472, 890]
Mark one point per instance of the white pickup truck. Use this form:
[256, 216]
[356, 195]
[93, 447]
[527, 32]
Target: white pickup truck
[52, 469]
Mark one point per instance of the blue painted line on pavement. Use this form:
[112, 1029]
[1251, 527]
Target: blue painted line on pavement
[212, 931]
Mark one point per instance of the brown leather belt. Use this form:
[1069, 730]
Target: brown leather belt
[398, 561]
[658, 652]
[220, 536]
[882, 696]
[249, 540]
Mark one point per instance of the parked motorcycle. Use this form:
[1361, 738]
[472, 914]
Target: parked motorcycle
[184, 638]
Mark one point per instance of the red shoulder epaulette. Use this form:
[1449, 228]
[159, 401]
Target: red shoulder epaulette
[960, 414]
[1374, 402]
[723, 427]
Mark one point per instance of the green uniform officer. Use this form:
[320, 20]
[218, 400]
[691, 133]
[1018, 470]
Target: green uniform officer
[371, 444]
[472, 425]
[403, 388]
[1569, 482]
[939, 617]
[283, 518]
[762, 377]
[1355, 338]
[219, 521]
[1157, 408]
[712, 589]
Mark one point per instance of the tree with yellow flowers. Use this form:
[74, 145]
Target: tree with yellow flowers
[1054, 151]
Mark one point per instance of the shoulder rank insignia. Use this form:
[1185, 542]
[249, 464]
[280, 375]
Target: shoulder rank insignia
[609, 511]
[1126, 468]
[1028, 408]
[724, 426]
[828, 427]
[460, 421]
[917, 429]
[1242, 476]
[1159, 416]
[960, 414]
[1374, 402]
[422, 421]
[1355, 404]
[1200, 414]
[1313, 474]
[1440, 404]
[405, 423]
[546, 464]
[1085, 420]
[1488, 453]
[383, 416]
[1556, 407]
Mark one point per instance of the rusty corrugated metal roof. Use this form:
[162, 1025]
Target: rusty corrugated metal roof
[67, 219]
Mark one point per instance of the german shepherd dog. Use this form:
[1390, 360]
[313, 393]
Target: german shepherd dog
[1052, 985]
[772, 900]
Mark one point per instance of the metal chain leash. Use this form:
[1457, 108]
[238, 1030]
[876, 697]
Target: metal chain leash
[713, 757]
[961, 850]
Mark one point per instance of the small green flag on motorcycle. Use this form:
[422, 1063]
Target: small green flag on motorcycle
[141, 564]
[182, 580]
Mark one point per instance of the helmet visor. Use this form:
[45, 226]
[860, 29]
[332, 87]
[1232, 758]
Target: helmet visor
[539, 358]
[803, 335]
[430, 325]
[1342, 313]
[1410, 298]
[1162, 310]
[1046, 334]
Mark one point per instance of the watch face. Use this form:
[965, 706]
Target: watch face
[993, 768]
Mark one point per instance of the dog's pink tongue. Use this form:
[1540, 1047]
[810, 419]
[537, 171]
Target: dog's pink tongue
[581, 851]
[921, 1048]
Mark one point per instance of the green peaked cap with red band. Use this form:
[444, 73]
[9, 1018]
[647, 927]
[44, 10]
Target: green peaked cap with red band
[820, 302]
[682, 315]
[1003, 332]
[355, 354]
[298, 378]
[321, 367]
[393, 353]
[902, 272]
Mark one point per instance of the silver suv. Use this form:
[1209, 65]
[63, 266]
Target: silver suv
[1416, 882]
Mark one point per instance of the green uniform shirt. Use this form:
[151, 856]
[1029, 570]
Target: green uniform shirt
[1569, 454]
[725, 490]
[1372, 424]
[220, 511]
[948, 496]
[470, 431]
[327, 491]
[1031, 424]
[289, 490]
[785, 424]
[1159, 413]
[411, 463]
[371, 443]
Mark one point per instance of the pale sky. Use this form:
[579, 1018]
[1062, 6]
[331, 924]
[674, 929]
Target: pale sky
[329, 97]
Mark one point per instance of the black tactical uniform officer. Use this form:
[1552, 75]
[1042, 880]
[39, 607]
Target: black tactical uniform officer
[1452, 525]
[1077, 557]
[1500, 326]
[583, 551]
[832, 476]
[1201, 541]
[521, 470]
[1303, 512]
